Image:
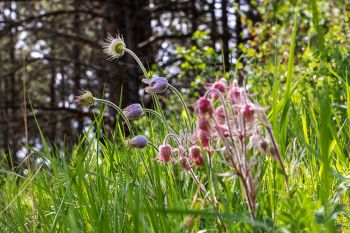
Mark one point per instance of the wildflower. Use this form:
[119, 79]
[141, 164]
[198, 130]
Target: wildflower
[137, 142]
[203, 124]
[204, 106]
[220, 114]
[196, 156]
[86, 99]
[156, 85]
[184, 163]
[219, 85]
[114, 47]
[248, 112]
[204, 137]
[222, 130]
[133, 111]
[165, 153]
[235, 94]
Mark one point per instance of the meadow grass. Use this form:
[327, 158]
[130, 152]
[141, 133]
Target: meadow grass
[103, 186]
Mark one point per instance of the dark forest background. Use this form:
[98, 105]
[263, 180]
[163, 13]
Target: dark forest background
[50, 50]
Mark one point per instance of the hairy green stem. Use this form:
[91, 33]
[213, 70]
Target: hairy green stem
[137, 59]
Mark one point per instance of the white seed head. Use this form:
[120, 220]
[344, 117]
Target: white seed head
[114, 47]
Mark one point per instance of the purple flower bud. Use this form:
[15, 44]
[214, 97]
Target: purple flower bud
[165, 153]
[133, 111]
[137, 142]
[156, 85]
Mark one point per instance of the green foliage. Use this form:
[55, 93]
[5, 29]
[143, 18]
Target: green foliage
[106, 187]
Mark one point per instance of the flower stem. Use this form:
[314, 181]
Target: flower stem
[137, 59]
[119, 110]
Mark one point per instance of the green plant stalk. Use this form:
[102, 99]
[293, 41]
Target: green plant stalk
[119, 110]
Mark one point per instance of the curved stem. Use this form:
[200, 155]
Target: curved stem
[183, 104]
[119, 110]
[160, 117]
[173, 136]
[137, 59]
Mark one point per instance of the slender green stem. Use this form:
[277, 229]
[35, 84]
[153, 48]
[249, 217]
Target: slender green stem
[160, 117]
[119, 110]
[184, 106]
[137, 59]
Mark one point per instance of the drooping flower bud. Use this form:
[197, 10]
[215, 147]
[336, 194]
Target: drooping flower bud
[204, 106]
[204, 124]
[114, 47]
[133, 111]
[137, 142]
[220, 114]
[196, 156]
[204, 137]
[165, 153]
[185, 166]
[235, 94]
[86, 99]
[219, 85]
[248, 112]
[156, 85]
[222, 130]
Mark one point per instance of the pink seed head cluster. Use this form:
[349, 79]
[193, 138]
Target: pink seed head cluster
[228, 122]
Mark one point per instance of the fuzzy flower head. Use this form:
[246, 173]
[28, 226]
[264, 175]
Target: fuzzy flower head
[204, 106]
[165, 153]
[137, 142]
[196, 156]
[156, 85]
[114, 47]
[219, 85]
[85, 99]
[220, 114]
[204, 124]
[133, 111]
[235, 94]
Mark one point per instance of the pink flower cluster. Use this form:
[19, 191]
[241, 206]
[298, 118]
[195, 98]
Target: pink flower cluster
[230, 123]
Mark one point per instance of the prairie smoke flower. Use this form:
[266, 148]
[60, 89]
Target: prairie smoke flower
[248, 112]
[165, 153]
[114, 47]
[85, 99]
[222, 130]
[203, 124]
[137, 142]
[235, 94]
[133, 111]
[220, 114]
[204, 137]
[196, 156]
[156, 85]
[219, 85]
[184, 163]
[204, 106]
